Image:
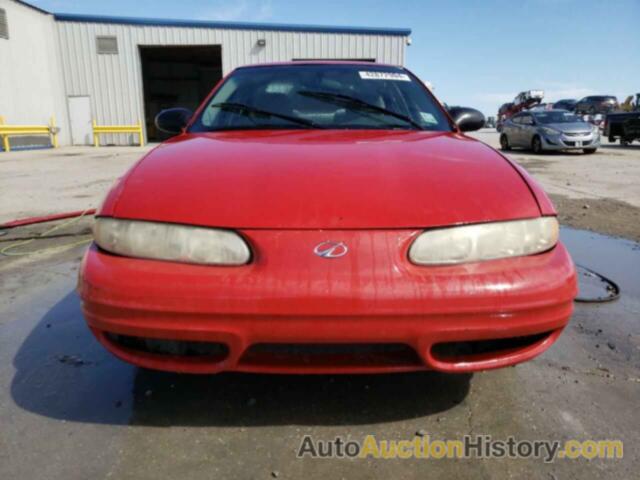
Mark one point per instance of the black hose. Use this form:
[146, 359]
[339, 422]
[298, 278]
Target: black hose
[612, 287]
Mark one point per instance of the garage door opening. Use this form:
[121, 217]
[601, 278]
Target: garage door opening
[177, 77]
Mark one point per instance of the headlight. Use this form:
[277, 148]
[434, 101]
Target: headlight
[165, 241]
[550, 131]
[487, 241]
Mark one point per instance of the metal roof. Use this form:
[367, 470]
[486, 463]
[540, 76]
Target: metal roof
[164, 22]
[27, 4]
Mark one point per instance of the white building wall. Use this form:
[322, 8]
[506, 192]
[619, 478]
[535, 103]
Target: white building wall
[114, 82]
[31, 87]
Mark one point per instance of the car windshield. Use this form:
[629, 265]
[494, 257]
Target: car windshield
[556, 117]
[321, 96]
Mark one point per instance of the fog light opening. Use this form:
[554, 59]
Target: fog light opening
[211, 351]
[480, 349]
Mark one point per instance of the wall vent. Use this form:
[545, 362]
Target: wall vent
[107, 45]
[4, 26]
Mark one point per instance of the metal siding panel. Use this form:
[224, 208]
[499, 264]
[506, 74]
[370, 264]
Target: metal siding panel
[231, 39]
[238, 46]
[124, 106]
[303, 46]
[127, 79]
[293, 46]
[267, 52]
[388, 51]
[135, 64]
[379, 49]
[262, 51]
[281, 52]
[76, 40]
[353, 47]
[263, 56]
[333, 51]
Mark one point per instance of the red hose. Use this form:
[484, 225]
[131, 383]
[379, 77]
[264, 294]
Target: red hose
[46, 218]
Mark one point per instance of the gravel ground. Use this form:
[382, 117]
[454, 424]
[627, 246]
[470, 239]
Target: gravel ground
[41, 182]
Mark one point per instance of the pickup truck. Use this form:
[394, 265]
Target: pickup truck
[623, 126]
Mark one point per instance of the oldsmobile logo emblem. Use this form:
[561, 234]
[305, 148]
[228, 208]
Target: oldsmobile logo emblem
[331, 249]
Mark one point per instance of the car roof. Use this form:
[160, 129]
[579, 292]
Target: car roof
[556, 110]
[321, 62]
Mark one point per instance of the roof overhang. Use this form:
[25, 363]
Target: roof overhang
[280, 27]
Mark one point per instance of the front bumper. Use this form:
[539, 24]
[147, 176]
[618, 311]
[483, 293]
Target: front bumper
[570, 142]
[293, 298]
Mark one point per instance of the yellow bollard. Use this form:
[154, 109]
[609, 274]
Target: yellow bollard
[54, 132]
[140, 133]
[96, 141]
[5, 138]
[136, 129]
[8, 130]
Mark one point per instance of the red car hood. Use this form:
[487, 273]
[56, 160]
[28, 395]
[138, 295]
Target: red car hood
[310, 179]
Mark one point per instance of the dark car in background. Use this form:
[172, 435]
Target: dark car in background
[624, 126]
[596, 104]
[568, 104]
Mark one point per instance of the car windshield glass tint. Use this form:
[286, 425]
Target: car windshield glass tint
[321, 96]
[556, 117]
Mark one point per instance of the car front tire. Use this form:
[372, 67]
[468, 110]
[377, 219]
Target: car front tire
[536, 144]
[504, 143]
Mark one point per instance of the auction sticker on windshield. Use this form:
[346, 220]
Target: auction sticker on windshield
[403, 77]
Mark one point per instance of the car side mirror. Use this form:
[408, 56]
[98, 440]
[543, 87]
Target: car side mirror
[467, 119]
[173, 120]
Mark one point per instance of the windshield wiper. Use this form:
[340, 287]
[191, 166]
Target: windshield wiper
[242, 109]
[356, 103]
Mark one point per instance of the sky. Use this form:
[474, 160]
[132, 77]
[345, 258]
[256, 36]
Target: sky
[475, 53]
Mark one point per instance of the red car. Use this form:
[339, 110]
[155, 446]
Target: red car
[325, 217]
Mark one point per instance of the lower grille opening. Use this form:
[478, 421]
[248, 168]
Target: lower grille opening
[477, 349]
[331, 354]
[175, 348]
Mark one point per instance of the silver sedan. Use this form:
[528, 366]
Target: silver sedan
[549, 130]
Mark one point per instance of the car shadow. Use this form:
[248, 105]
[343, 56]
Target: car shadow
[617, 146]
[524, 152]
[62, 372]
